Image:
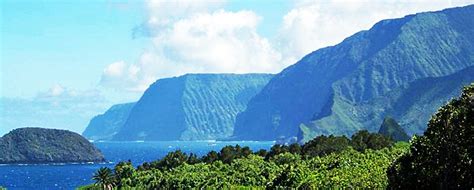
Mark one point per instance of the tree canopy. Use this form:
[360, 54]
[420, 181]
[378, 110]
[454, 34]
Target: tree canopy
[294, 165]
[443, 157]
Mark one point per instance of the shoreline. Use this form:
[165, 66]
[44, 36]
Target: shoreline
[56, 163]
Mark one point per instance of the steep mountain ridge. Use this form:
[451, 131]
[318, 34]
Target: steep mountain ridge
[390, 128]
[366, 66]
[106, 125]
[412, 105]
[191, 107]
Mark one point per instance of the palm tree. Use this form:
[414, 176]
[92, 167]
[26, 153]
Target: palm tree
[104, 177]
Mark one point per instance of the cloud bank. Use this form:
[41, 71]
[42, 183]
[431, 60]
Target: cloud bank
[198, 37]
[59, 107]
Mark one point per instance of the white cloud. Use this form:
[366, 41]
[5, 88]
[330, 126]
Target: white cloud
[200, 42]
[162, 13]
[311, 25]
[120, 75]
[201, 37]
[59, 95]
[219, 42]
[115, 69]
[56, 90]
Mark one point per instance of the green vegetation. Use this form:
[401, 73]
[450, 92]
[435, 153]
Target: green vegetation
[326, 161]
[38, 145]
[443, 157]
[104, 178]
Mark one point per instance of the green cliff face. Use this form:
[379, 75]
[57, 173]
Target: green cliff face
[191, 107]
[355, 84]
[412, 105]
[38, 145]
[105, 126]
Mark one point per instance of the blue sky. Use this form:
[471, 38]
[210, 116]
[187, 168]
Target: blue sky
[63, 43]
[45, 43]
[83, 56]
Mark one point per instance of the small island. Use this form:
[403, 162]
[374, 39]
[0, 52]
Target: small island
[39, 145]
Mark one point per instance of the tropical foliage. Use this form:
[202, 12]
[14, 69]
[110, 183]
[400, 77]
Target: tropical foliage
[443, 157]
[104, 178]
[327, 161]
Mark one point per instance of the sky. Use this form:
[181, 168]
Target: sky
[84, 56]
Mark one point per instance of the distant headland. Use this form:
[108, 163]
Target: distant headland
[39, 145]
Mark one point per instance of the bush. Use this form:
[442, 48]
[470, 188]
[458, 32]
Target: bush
[229, 153]
[443, 157]
[363, 140]
[323, 145]
[286, 158]
[262, 153]
[171, 160]
[210, 157]
[123, 171]
[276, 150]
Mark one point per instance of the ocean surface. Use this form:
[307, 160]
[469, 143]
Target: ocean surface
[70, 176]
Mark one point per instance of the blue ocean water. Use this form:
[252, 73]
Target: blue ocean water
[70, 176]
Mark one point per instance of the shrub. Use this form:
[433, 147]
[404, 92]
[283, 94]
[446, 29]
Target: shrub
[323, 145]
[443, 157]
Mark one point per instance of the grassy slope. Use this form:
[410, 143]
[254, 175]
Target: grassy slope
[412, 106]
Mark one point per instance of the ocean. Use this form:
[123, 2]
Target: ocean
[70, 176]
